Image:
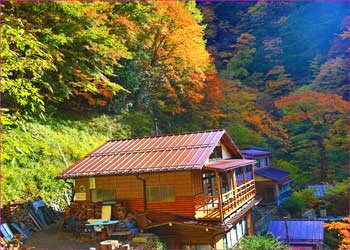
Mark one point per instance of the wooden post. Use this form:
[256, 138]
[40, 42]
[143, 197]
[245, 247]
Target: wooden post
[234, 186]
[253, 175]
[250, 223]
[218, 190]
[233, 179]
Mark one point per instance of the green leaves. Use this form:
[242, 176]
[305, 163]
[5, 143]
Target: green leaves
[24, 61]
[31, 157]
[261, 242]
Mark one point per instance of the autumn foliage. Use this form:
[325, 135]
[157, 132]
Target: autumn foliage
[311, 105]
[317, 122]
[343, 228]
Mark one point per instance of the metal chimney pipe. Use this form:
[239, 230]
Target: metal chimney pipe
[156, 126]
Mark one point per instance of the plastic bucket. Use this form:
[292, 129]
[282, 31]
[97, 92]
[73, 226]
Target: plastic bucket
[105, 245]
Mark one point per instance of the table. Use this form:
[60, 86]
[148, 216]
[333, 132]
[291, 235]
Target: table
[96, 225]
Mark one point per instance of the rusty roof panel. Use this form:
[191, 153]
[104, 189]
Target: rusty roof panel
[224, 165]
[148, 154]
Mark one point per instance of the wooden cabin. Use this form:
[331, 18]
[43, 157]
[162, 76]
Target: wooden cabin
[272, 184]
[192, 187]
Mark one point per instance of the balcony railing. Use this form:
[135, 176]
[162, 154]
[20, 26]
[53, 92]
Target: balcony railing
[212, 208]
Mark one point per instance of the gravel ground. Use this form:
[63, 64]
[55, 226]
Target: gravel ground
[54, 237]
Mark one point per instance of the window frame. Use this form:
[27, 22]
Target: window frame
[96, 190]
[166, 193]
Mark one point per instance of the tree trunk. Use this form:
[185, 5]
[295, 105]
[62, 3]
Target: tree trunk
[323, 160]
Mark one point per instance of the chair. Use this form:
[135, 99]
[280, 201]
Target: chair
[106, 212]
[9, 236]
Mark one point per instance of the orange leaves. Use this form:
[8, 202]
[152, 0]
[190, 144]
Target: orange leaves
[181, 35]
[240, 104]
[172, 40]
[343, 228]
[312, 105]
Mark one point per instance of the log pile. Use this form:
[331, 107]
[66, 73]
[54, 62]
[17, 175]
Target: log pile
[17, 212]
[22, 217]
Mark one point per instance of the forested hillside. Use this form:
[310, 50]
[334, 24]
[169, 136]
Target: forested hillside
[295, 57]
[77, 74]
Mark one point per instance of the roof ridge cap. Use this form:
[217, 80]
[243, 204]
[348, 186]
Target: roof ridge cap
[171, 134]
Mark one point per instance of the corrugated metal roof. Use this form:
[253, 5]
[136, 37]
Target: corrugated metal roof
[272, 173]
[320, 190]
[229, 164]
[254, 152]
[150, 154]
[285, 181]
[299, 231]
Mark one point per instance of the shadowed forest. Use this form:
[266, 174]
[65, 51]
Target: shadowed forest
[76, 74]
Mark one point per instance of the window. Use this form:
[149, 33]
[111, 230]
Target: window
[217, 153]
[234, 236]
[266, 161]
[236, 233]
[225, 182]
[209, 184]
[258, 164]
[160, 193]
[239, 230]
[238, 171]
[244, 226]
[98, 195]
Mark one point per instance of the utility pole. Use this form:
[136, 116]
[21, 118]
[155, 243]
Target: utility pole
[287, 233]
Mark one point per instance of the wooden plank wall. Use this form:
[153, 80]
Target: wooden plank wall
[186, 235]
[197, 183]
[130, 189]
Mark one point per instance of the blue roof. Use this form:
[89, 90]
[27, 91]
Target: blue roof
[320, 190]
[254, 152]
[309, 232]
[272, 173]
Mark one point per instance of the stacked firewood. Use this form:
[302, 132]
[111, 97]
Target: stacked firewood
[17, 212]
[84, 210]
[12, 245]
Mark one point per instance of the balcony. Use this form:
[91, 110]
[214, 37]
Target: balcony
[222, 204]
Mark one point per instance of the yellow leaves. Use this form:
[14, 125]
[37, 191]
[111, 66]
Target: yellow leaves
[176, 53]
[183, 36]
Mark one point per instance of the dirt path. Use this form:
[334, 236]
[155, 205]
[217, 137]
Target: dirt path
[53, 237]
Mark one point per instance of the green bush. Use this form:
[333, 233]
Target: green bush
[261, 242]
[34, 154]
[295, 205]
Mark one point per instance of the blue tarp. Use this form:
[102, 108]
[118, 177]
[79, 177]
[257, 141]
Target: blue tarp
[38, 203]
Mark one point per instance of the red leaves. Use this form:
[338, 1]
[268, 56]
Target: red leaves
[311, 105]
